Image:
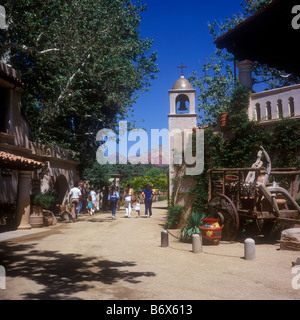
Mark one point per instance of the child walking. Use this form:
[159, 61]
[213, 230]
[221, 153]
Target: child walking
[137, 208]
[93, 195]
[89, 205]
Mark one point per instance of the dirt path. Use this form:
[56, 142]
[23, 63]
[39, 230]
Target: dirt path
[101, 258]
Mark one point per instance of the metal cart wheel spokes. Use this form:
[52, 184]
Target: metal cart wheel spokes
[222, 208]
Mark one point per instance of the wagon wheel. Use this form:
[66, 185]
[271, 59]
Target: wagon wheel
[222, 208]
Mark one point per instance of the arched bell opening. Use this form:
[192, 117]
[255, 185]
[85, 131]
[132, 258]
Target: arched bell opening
[182, 104]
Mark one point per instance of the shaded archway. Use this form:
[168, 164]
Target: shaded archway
[62, 187]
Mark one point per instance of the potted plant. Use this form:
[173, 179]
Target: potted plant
[193, 223]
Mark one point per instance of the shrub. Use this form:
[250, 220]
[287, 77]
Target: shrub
[193, 221]
[46, 201]
[173, 216]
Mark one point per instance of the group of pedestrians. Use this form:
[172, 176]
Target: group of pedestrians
[80, 198]
[131, 201]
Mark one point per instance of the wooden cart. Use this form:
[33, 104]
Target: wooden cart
[241, 197]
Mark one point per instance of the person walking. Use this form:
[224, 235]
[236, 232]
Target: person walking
[93, 195]
[113, 197]
[82, 190]
[148, 196]
[89, 206]
[137, 208]
[75, 197]
[128, 196]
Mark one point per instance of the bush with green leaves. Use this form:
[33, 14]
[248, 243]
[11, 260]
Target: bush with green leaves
[173, 216]
[47, 201]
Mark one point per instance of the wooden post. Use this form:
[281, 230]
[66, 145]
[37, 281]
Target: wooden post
[238, 191]
[209, 185]
[223, 187]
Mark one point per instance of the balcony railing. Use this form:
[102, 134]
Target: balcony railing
[274, 104]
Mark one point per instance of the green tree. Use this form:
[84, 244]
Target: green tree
[98, 175]
[84, 64]
[139, 183]
[158, 182]
[153, 172]
[161, 182]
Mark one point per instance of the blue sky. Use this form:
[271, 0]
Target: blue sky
[180, 33]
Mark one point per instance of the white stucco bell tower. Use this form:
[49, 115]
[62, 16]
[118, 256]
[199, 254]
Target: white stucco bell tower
[182, 116]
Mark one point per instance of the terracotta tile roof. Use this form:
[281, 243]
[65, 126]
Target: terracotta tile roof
[12, 161]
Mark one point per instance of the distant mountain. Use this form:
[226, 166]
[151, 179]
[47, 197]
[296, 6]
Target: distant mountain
[156, 156]
[116, 157]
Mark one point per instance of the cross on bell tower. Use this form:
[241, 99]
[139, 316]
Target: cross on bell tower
[182, 67]
[182, 94]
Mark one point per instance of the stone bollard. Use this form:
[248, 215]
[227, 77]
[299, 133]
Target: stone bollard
[164, 239]
[249, 249]
[197, 243]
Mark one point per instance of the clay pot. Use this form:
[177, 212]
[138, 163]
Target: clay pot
[231, 178]
[223, 120]
[211, 231]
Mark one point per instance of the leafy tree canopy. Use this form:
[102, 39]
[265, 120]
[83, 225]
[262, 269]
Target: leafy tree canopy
[157, 182]
[137, 174]
[84, 64]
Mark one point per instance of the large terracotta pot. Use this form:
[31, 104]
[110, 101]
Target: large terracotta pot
[211, 231]
[231, 178]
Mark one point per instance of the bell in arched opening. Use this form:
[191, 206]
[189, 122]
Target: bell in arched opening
[182, 106]
[183, 101]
